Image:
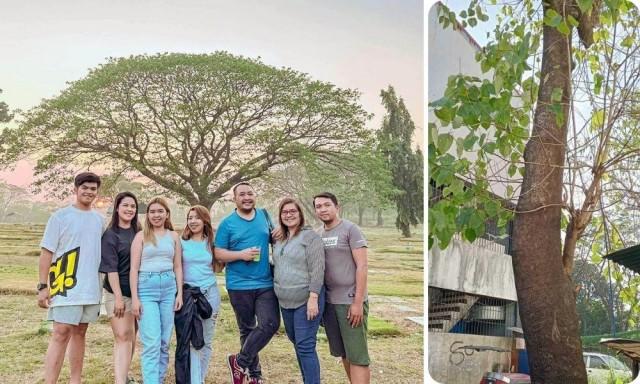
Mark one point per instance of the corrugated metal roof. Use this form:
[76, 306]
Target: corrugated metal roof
[630, 348]
[627, 257]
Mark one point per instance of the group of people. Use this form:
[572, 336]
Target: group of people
[157, 280]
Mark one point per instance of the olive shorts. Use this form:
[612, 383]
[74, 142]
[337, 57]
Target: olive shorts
[344, 340]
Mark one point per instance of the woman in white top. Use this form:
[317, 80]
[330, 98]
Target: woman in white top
[156, 287]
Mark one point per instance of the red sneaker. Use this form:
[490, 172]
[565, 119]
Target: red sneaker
[239, 375]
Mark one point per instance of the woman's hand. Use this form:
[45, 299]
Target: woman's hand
[178, 303]
[312, 307]
[136, 308]
[118, 307]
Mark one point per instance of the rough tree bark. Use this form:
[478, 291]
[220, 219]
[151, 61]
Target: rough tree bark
[545, 291]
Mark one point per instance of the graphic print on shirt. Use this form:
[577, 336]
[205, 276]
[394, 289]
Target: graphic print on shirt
[62, 273]
[330, 242]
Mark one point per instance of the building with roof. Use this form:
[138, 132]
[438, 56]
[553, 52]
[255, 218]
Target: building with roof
[472, 305]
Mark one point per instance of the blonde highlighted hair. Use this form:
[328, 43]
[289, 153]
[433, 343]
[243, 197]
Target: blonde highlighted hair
[149, 236]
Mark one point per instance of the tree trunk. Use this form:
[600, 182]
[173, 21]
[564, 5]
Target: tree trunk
[404, 228]
[380, 221]
[360, 215]
[545, 292]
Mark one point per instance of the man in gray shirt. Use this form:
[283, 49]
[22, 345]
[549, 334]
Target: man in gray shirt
[346, 312]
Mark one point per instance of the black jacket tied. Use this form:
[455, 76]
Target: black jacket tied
[188, 322]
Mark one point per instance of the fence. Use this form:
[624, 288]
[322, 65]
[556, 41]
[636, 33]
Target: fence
[458, 312]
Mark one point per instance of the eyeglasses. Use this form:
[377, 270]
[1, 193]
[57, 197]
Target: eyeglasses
[290, 212]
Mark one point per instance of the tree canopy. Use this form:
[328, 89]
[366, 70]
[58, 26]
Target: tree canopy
[193, 124]
[5, 114]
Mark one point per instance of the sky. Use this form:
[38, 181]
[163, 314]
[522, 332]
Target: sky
[361, 44]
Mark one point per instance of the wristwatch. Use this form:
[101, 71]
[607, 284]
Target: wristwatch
[42, 286]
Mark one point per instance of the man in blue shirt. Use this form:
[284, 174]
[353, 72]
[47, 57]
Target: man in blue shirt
[242, 241]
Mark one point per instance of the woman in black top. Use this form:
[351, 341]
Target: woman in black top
[116, 263]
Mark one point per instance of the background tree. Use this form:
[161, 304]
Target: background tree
[360, 180]
[195, 125]
[394, 143]
[5, 114]
[497, 111]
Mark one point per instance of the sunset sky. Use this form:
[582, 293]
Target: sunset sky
[363, 44]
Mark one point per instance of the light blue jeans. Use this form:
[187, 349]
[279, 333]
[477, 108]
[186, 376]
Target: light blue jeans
[157, 293]
[199, 359]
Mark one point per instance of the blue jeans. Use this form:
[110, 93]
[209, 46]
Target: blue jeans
[157, 294]
[199, 359]
[302, 333]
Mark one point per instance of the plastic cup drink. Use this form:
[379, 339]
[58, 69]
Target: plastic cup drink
[257, 258]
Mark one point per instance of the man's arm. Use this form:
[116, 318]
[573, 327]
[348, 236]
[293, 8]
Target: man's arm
[356, 309]
[227, 256]
[43, 275]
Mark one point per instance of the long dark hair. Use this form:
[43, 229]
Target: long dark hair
[207, 229]
[115, 218]
[285, 229]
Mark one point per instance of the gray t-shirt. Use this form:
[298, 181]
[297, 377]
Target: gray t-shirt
[73, 236]
[340, 268]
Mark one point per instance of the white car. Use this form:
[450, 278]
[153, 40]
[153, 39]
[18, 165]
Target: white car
[601, 368]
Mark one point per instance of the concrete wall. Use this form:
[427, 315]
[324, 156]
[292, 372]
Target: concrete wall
[473, 269]
[450, 368]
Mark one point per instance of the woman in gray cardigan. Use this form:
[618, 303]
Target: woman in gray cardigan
[298, 282]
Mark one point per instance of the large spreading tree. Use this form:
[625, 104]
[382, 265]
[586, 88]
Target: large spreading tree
[194, 125]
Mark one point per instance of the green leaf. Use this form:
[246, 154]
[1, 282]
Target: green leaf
[469, 141]
[470, 234]
[509, 191]
[459, 146]
[456, 122]
[597, 120]
[572, 21]
[563, 28]
[463, 14]
[433, 134]
[585, 5]
[597, 83]
[490, 147]
[498, 82]
[556, 95]
[492, 207]
[552, 18]
[445, 114]
[444, 142]
[627, 42]
[472, 21]
[476, 221]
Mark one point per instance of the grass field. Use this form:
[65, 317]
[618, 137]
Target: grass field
[395, 344]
